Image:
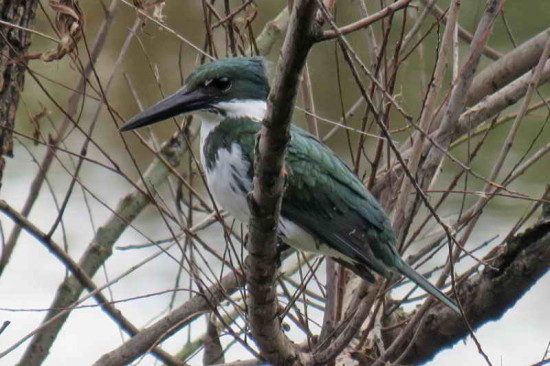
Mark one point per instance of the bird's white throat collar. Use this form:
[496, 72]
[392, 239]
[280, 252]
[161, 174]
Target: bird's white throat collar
[248, 108]
[253, 109]
[242, 108]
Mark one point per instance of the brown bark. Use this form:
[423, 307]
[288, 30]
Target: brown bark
[213, 349]
[266, 198]
[514, 64]
[489, 80]
[13, 44]
[518, 264]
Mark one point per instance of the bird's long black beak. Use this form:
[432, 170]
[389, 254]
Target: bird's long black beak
[182, 101]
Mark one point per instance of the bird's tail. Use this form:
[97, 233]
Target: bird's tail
[417, 278]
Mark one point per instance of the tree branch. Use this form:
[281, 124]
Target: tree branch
[448, 116]
[326, 353]
[171, 323]
[180, 317]
[486, 109]
[99, 250]
[83, 279]
[519, 263]
[490, 80]
[53, 142]
[365, 22]
[462, 33]
[265, 200]
[13, 43]
[271, 32]
[213, 349]
[509, 67]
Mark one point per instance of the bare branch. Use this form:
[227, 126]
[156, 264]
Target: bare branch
[271, 32]
[404, 198]
[98, 251]
[509, 67]
[488, 295]
[72, 106]
[365, 22]
[165, 327]
[462, 33]
[14, 43]
[265, 200]
[496, 102]
[448, 118]
[351, 327]
[84, 281]
[213, 350]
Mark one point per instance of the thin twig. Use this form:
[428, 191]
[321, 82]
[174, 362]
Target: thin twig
[365, 22]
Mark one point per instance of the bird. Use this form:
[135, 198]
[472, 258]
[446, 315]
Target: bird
[326, 209]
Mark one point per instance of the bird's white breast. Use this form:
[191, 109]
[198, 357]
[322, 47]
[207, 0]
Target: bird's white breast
[226, 179]
[228, 175]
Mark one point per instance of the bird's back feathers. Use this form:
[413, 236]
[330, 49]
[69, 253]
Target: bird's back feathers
[324, 198]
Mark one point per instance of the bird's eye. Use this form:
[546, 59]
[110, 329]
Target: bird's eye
[222, 84]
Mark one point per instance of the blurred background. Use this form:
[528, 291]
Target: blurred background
[155, 63]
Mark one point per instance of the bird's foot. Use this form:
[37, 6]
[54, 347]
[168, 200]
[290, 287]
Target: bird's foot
[281, 247]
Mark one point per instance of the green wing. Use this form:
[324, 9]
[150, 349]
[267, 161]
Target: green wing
[325, 198]
[322, 196]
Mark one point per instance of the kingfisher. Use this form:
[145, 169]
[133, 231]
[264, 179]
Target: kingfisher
[326, 209]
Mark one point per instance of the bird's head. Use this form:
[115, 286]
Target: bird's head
[232, 87]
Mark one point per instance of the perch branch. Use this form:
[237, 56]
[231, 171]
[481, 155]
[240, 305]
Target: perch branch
[265, 200]
[518, 264]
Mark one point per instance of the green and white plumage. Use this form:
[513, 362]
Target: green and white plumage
[326, 208]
